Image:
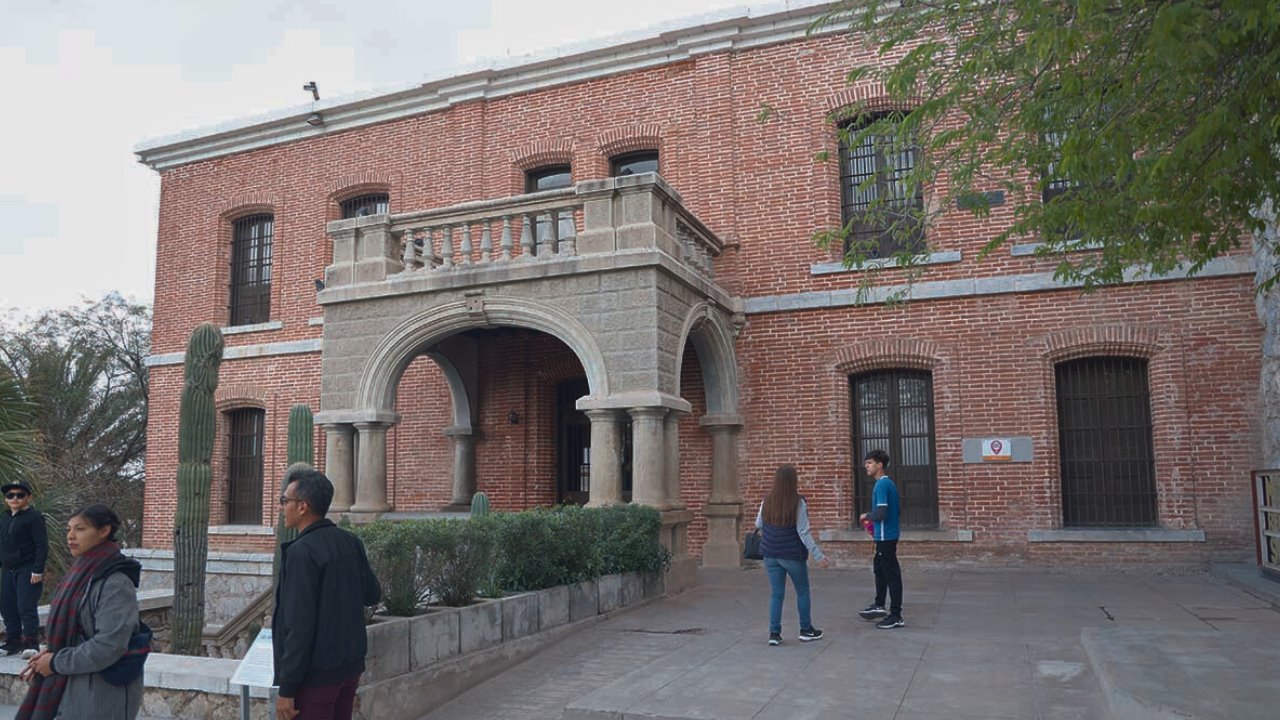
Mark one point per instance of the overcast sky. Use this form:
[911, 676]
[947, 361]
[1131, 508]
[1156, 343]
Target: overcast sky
[83, 81]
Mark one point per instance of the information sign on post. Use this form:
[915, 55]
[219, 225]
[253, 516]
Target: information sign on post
[257, 669]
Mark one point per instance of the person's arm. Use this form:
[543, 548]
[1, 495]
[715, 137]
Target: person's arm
[115, 618]
[298, 602]
[879, 503]
[802, 528]
[40, 534]
[760, 517]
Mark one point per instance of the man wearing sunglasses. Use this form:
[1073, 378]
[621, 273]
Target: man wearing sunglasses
[24, 548]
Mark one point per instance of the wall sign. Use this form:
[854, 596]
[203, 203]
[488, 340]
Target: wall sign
[997, 450]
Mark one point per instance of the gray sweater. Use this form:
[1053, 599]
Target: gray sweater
[108, 616]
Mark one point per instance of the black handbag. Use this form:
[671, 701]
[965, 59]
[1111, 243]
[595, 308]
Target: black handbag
[751, 546]
[130, 665]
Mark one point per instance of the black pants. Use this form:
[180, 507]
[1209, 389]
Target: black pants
[18, 602]
[888, 575]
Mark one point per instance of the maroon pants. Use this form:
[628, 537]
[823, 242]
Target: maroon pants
[327, 702]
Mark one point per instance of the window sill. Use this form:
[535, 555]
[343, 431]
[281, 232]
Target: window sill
[1125, 535]
[256, 327]
[1026, 249]
[955, 535]
[937, 258]
[241, 530]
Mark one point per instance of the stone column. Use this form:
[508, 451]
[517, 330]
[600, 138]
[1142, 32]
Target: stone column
[724, 508]
[464, 467]
[671, 430]
[606, 458]
[648, 462]
[371, 475]
[338, 465]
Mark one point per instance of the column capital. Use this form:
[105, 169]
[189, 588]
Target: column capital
[648, 413]
[459, 431]
[374, 426]
[628, 400]
[336, 417]
[603, 414]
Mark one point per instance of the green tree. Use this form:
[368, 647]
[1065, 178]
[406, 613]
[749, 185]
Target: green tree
[16, 437]
[1153, 125]
[82, 370]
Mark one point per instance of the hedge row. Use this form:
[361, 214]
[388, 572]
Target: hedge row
[450, 562]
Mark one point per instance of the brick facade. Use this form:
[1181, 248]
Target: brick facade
[757, 187]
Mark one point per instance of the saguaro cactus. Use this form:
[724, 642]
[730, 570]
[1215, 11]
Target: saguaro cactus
[196, 418]
[301, 449]
[479, 505]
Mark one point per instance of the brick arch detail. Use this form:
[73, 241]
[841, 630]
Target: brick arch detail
[896, 352]
[355, 183]
[544, 152]
[869, 97]
[240, 395]
[247, 203]
[630, 138]
[1117, 340]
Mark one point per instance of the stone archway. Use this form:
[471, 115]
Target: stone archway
[709, 331]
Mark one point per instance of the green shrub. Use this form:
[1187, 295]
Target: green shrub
[398, 562]
[461, 558]
[630, 540]
[544, 548]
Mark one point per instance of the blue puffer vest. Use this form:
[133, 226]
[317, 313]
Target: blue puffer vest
[782, 542]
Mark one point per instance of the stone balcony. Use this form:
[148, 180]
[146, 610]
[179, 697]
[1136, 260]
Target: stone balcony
[593, 226]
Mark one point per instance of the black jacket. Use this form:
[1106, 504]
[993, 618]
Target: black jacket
[24, 542]
[317, 628]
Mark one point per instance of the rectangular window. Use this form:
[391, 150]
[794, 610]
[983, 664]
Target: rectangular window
[244, 467]
[893, 411]
[883, 213]
[551, 177]
[635, 163]
[1104, 443]
[251, 269]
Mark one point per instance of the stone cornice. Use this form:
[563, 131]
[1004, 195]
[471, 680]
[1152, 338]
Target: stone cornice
[729, 30]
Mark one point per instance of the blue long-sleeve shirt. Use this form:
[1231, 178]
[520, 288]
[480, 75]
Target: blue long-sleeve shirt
[802, 528]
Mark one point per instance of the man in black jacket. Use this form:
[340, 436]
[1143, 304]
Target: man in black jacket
[24, 548]
[317, 629]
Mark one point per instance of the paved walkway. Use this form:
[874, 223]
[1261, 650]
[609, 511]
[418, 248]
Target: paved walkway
[989, 644]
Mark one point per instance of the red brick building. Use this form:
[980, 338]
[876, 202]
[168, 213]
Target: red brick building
[474, 282]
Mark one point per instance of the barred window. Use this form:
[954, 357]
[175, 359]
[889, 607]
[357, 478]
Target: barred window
[244, 467]
[882, 212]
[634, 163]
[371, 204]
[251, 269]
[1054, 183]
[1104, 443]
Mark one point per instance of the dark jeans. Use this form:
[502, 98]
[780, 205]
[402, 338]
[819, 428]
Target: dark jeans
[778, 570]
[888, 575]
[18, 602]
[327, 702]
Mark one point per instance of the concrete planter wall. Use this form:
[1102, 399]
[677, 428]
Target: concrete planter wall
[416, 664]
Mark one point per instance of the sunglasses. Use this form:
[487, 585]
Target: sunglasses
[285, 499]
[15, 495]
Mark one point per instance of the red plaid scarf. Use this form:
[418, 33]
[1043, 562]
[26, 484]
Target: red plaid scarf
[45, 694]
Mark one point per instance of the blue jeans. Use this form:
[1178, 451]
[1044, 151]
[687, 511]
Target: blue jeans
[18, 602]
[778, 570]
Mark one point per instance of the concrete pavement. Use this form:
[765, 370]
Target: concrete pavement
[990, 644]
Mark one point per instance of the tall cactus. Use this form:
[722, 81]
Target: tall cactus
[301, 449]
[479, 505]
[196, 417]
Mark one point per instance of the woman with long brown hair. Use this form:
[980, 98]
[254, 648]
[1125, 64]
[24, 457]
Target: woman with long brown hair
[786, 545]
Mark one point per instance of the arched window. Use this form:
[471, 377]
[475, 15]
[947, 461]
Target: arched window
[250, 301]
[893, 411]
[363, 205]
[244, 466]
[1104, 443]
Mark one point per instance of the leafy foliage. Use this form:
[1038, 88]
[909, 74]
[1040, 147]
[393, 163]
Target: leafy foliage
[1159, 119]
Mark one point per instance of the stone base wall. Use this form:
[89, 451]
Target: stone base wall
[232, 580]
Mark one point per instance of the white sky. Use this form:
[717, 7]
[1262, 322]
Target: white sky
[83, 81]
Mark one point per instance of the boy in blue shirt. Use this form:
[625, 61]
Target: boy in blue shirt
[885, 510]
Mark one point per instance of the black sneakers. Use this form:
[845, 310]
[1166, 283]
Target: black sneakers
[12, 647]
[873, 612]
[891, 621]
[810, 635]
[775, 638]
